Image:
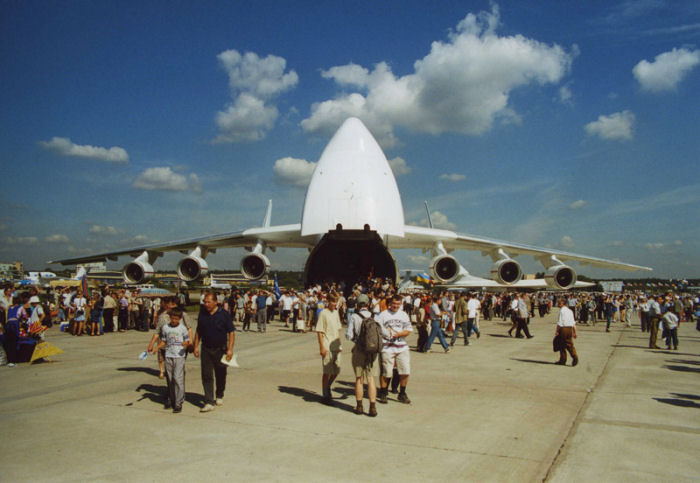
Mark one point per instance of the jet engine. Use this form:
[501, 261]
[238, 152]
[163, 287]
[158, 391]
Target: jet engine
[560, 276]
[506, 271]
[255, 266]
[137, 271]
[444, 268]
[192, 268]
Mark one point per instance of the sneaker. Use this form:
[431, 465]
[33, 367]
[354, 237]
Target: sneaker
[10, 364]
[448, 350]
[372, 410]
[219, 401]
[207, 408]
[403, 397]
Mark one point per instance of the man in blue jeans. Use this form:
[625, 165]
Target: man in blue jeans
[435, 329]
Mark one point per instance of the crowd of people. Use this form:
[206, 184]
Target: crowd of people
[376, 317]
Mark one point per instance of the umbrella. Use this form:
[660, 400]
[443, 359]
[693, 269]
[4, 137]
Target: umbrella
[43, 350]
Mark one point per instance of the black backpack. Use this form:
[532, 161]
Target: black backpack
[370, 339]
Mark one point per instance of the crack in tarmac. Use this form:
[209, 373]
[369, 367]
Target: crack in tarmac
[578, 418]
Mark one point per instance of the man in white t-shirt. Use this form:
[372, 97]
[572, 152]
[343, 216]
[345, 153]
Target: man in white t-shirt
[566, 331]
[670, 321]
[286, 307]
[473, 307]
[395, 328]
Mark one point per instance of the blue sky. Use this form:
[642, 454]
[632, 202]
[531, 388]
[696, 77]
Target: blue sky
[561, 125]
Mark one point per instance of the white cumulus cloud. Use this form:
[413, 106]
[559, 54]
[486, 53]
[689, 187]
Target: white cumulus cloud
[667, 70]
[293, 172]
[21, 240]
[654, 246]
[453, 177]
[103, 230]
[255, 83]
[399, 166]
[57, 238]
[616, 126]
[462, 85]
[577, 204]
[165, 179]
[439, 221]
[65, 147]
[567, 242]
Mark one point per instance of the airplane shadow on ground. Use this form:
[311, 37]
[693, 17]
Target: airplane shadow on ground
[159, 394]
[681, 400]
[532, 361]
[683, 368]
[147, 370]
[683, 361]
[310, 396]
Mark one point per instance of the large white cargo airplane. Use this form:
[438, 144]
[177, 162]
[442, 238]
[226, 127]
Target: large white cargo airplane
[352, 218]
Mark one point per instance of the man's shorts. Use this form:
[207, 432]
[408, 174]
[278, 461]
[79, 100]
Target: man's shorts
[331, 363]
[361, 368]
[403, 363]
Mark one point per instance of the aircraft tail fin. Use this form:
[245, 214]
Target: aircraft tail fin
[79, 273]
[268, 215]
[427, 212]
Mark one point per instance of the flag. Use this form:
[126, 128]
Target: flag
[84, 285]
[424, 278]
[277, 287]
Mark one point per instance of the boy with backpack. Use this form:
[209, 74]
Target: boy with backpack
[366, 333]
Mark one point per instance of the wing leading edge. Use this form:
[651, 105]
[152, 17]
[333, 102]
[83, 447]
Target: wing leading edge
[427, 238]
[272, 236]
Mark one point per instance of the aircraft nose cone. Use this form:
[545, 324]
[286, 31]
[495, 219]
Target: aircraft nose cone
[353, 185]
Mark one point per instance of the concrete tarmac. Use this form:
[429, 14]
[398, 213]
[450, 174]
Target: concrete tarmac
[497, 410]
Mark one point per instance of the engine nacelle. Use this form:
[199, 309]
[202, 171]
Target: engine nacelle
[192, 268]
[444, 268]
[255, 266]
[137, 271]
[506, 271]
[560, 276]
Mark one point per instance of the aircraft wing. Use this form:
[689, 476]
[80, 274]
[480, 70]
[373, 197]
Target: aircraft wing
[426, 238]
[271, 236]
[470, 281]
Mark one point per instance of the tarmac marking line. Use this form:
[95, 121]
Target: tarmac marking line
[586, 402]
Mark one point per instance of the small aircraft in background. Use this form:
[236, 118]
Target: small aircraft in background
[43, 278]
[219, 285]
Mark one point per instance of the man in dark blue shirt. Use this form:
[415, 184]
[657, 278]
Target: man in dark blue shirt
[261, 311]
[216, 331]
